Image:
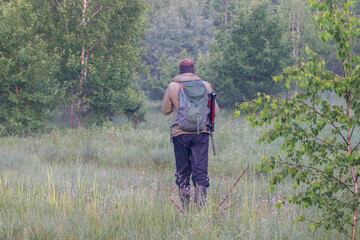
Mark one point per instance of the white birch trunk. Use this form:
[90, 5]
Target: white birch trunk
[84, 70]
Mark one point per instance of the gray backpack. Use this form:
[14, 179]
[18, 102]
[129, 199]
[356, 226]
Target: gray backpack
[193, 107]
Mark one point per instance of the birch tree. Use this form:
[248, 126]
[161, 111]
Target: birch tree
[320, 145]
[102, 56]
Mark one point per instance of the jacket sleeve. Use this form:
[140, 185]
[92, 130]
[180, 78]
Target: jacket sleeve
[167, 106]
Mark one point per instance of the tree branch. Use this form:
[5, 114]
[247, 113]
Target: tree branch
[333, 146]
[346, 204]
[56, 5]
[225, 198]
[319, 174]
[236, 202]
[177, 206]
[313, 168]
[308, 220]
[352, 131]
[355, 147]
[325, 206]
[97, 11]
[92, 4]
[320, 114]
[16, 90]
[316, 111]
[94, 45]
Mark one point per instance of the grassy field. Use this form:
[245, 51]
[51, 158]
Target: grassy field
[117, 182]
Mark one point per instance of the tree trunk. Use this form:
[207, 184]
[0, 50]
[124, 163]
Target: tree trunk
[253, 88]
[82, 80]
[71, 122]
[84, 70]
[354, 173]
[355, 211]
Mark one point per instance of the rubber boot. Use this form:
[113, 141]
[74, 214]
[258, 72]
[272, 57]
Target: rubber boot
[184, 193]
[200, 195]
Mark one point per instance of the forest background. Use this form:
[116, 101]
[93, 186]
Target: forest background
[86, 62]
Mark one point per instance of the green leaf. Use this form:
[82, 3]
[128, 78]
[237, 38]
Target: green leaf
[312, 226]
[326, 36]
[244, 105]
[274, 106]
[278, 205]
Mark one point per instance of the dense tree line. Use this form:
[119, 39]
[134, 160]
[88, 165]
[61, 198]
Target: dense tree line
[81, 54]
[96, 59]
[250, 42]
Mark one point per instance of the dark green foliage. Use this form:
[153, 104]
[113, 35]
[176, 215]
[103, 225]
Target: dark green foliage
[80, 53]
[132, 104]
[28, 88]
[245, 57]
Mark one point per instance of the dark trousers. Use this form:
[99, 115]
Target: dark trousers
[191, 156]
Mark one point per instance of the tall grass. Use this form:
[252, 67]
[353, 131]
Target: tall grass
[116, 182]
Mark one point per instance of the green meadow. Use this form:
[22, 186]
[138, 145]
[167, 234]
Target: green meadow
[117, 182]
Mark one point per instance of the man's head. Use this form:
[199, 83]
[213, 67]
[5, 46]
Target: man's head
[186, 66]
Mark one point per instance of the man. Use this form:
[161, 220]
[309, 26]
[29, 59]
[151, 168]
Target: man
[190, 148]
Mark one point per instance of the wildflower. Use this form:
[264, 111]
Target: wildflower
[13, 196]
